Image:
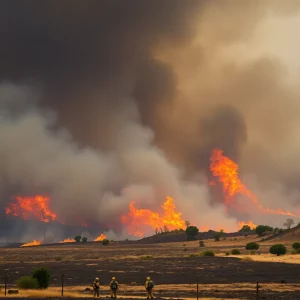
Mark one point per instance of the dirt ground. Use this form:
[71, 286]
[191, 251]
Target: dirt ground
[174, 268]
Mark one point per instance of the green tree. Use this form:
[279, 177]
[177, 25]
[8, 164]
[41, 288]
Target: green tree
[245, 228]
[191, 232]
[84, 240]
[166, 229]
[42, 276]
[187, 224]
[261, 229]
[27, 282]
[105, 242]
[217, 236]
[278, 249]
[77, 238]
[252, 246]
[296, 246]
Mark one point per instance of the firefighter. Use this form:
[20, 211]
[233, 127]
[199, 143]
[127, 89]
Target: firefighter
[96, 287]
[114, 285]
[149, 285]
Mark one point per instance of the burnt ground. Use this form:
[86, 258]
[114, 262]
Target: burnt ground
[132, 263]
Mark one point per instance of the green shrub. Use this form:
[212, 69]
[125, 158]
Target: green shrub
[227, 253]
[296, 246]
[235, 252]
[58, 258]
[27, 282]
[252, 246]
[201, 244]
[84, 240]
[207, 253]
[193, 255]
[105, 242]
[191, 232]
[250, 270]
[77, 238]
[42, 276]
[217, 236]
[146, 257]
[278, 249]
[294, 251]
[252, 252]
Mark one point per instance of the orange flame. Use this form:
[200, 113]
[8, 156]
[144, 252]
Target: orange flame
[227, 173]
[100, 238]
[31, 244]
[250, 224]
[36, 207]
[138, 219]
[67, 241]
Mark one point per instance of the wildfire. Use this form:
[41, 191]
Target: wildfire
[227, 173]
[36, 207]
[67, 241]
[250, 224]
[138, 219]
[31, 244]
[100, 238]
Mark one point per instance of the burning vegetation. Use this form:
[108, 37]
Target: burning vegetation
[32, 244]
[100, 238]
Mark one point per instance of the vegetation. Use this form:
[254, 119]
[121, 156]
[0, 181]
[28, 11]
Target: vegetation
[252, 246]
[187, 224]
[84, 240]
[42, 276]
[235, 252]
[105, 242]
[289, 223]
[278, 249]
[201, 244]
[77, 238]
[27, 282]
[208, 253]
[191, 232]
[261, 229]
[146, 257]
[245, 228]
[296, 246]
[227, 253]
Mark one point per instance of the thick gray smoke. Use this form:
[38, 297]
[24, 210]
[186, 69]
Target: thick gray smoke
[104, 102]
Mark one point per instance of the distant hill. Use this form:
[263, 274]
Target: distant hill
[292, 235]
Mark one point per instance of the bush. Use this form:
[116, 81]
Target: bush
[42, 276]
[217, 237]
[294, 251]
[58, 258]
[146, 257]
[261, 229]
[252, 246]
[105, 242]
[296, 246]
[235, 252]
[208, 253]
[278, 249]
[77, 238]
[201, 244]
[27, 282]
[84, 240]
[191, 232]
[227, 253]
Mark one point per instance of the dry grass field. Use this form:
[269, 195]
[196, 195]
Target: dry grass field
[173, 266]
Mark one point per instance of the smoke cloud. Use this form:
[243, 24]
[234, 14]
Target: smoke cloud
[107, 102]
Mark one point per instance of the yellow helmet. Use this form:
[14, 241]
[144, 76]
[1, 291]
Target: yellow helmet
[148, 278]
[97, 279]
[114, 278]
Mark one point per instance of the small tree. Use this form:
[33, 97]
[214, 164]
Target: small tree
[27, 282]
[191, 232]
[187, 224]
[288, 223]
[235, 252]
[105, 242]
[201, 244]
[84, 240]
[217, 236]
[252, 246]
[245, 228]
[278, 249]
[166, 229]
[77, 238]
[296, 246]
[156, 231]
[261, 229]
[42, 276]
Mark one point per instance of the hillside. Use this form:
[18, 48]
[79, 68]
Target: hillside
[292, 235]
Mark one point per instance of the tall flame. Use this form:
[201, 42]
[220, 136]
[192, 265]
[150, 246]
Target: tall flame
[36, 207]
[138, 219]
[67, 241]
[31, 244]
[227, 173]
[100, 238]
[241, 224]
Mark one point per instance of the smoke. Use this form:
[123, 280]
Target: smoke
[115, 101]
